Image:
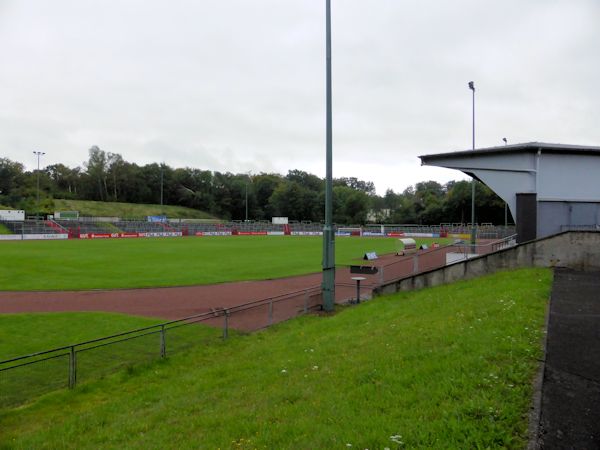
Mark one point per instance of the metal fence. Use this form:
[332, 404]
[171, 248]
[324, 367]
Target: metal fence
[25, 377]
[434, 258]
[117, 225]
[387, 272]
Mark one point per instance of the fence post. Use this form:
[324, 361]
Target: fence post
[72, 367]
[163, 342]
[306, 297]
[271, 313]
[416, 263]
[225, 324]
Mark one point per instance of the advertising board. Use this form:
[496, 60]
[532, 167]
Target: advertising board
[12, 214]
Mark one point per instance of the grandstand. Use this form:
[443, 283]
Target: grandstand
[85, 226]
[31, 226]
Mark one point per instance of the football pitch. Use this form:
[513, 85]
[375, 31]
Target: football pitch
[136, 263]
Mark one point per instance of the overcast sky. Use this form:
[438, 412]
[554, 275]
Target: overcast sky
[239, 85]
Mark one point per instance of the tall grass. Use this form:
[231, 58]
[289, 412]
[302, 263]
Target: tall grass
[446, 367]
[91, 208]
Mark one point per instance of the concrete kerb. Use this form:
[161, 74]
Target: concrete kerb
[536, 400]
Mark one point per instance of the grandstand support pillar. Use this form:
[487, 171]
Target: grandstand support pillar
[328, 286]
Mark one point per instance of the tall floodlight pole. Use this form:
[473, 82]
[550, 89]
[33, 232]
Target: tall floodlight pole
[162, 169]
[505, 204]
[246, 200]
[473, 227]
[328, 286]
[38, 154]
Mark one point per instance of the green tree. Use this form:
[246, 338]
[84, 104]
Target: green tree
[64, 181]
[96, 168]
[263, 186]
[350, 205]
[307, 180]
[114, 166]
[293, 200]
[12, 179]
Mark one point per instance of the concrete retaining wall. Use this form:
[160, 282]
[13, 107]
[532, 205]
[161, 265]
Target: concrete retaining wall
[574, 249]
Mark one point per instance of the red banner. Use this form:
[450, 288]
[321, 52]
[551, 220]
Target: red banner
[107, 235]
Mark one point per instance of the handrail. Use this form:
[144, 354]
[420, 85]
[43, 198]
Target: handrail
[201, 316]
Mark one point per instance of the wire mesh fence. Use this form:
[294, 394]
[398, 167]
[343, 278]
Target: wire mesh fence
[27, 377]
[24, 380]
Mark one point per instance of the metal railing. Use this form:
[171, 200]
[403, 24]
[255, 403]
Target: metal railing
[25, 377]
[101, 224]
[425, 260]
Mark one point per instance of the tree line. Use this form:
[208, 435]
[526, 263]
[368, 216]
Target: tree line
[297, 195]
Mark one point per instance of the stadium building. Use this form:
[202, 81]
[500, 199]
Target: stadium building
[549, 188]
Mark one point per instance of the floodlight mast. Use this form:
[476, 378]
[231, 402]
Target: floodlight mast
[505, 204]
[38, 154]
[473, 226]
[328, 285]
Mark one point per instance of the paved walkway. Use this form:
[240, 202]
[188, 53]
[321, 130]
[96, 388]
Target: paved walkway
[570, 406]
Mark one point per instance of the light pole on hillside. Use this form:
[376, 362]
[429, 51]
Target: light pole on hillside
[38, 154]
[328, 285]
[246, 201]
[505, 203]
[248, 181]
[162, 179]
[473, 226]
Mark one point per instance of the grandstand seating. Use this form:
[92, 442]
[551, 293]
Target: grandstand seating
[29, 226]
[193, 227]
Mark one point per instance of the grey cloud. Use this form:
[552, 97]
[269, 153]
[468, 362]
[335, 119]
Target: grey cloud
[239, 86]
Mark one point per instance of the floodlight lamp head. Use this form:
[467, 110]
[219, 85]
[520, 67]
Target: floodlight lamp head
[505, 141]
[472, 85]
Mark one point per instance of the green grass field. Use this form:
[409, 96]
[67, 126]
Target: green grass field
[446, 367]
[21, 334]
[129, 263]
[90, 208]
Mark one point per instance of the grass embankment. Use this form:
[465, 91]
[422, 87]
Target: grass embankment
[90, 208]
[21, 334]
[447, 367]
[98, 264]
[4, 230]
